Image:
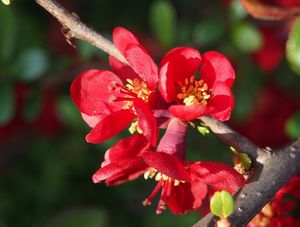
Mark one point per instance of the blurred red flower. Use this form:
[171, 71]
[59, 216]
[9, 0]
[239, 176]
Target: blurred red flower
[191, 97]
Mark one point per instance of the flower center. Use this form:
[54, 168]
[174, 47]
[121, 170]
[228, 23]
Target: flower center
[194, 91]
[165, 183]
[139, 88]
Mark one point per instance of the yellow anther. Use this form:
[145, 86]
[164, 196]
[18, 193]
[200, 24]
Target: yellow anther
[134, 127]
[158, 177]
[194, 91]
[176, 182]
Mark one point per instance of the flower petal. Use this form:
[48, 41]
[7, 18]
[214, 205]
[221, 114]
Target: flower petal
[216, 67]
[183, 63]
[167, 83]
[218, 176]
[146, 121]
[118, 172]
[142, 64]
[186, 197]
[122, 38]
[168, 165]
[107, 128]
[174, 140]
[92, 121]
[124, 71]
[187, 113]
[129, 147]
[92, 90]
[222, 102]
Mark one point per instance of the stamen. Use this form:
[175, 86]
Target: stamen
[148, 200]
[194, 91]
[134, 127]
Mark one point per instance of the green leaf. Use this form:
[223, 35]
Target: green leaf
[292, 126]
[246, 37]
[237, 11]
[243, 157]
[163, 22]
[7, 102]
[32, 106]
[31, 64]
[222, 204]
[293, 47]
[8, 28]
[68, 113]
[203, 130]
[79, 218]
[208, 32]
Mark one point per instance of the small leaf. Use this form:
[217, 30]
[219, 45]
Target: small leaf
[208, 32]
[163, 22]
[246, 37]
[8, 31]
[68, 113]
[31, 64]
[7, 102]
[243, 158]
[293, 47]
[203, 130]
[237, 11]
[222, 204]
[292, 126]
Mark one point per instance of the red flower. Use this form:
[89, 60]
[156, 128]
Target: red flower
[103, 99]
[193, 97]
[183, 185]
[269, 56]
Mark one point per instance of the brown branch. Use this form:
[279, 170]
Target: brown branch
[76, 29]
[269, 176]
[232, 138]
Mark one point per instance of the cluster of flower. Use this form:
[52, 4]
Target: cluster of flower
[147, 100]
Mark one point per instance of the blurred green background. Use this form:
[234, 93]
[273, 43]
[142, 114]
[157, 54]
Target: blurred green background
[46, 164]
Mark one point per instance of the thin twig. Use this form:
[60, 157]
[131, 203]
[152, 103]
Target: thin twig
[231, 137]
[76, 29]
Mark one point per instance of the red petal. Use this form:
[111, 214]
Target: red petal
[130, 147]
[166, 83]
[187, 113]
[142, 64]
[121, 69]
[217, 175]
[168, 165]
[183, 63]
[122, 38]
[216, 67]
[146, 121]
[92, 121]
[110, 126]
[222, 102]
[118, 172]
[186, 197]
[174, 140]
[91, 92]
